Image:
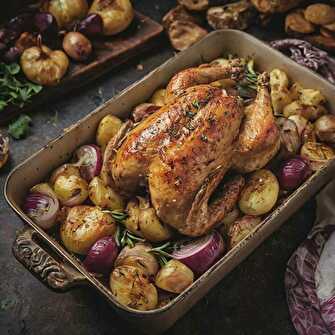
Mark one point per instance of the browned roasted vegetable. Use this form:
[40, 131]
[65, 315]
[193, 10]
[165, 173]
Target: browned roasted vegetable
[177, 13]
[241, 228]
[44, 66]
[320, 14]
[4, 149]
[295, 22]
[25, 41]
[116, 14]
[183, 34]
[65, 11]
[323, 42]
[77, 46]
[196, 5]
[330, 27]
[277, 6]
[237, 15]
[318, 154]
[325, 128]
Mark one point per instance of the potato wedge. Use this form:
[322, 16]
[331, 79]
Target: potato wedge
[280, 96]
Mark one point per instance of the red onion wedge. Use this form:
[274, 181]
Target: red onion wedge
[293, 173]
[101, 256]
[42, 206]
[200, 254]
[89, 160]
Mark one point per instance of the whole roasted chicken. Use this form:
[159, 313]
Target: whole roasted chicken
[182, 152]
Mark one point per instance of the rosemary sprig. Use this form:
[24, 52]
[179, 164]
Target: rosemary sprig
[117, 215]
[163, 252]
[247, 87]
[124, 237]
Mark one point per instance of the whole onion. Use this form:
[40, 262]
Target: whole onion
[46, 24]
[200, 254]
[101, 256]
[89, 160]
[42, 206]
[77, 46]
[92, 25]
[325, 128]
[293, 173]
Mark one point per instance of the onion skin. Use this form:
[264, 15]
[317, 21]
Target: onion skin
[202, 256]
[42, 206]
[293, 173]
[89, 161]
[101, 257]
[92, 25]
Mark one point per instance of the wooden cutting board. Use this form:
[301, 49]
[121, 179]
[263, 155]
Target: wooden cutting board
[109, 52]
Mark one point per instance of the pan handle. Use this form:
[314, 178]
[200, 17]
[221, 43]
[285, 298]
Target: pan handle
[57, 276]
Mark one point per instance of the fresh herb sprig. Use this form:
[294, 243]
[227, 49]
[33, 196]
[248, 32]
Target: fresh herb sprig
[163, 252]
[247, 86]
[124, 237]
[20, 127]
[14, 89]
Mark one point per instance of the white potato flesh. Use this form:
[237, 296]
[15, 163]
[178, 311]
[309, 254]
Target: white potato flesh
[260, 193]
[131, 287]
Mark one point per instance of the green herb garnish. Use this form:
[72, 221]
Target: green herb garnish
[20, 127]
[14, 89]
[196, 104]
[247, 86]
[163, 252]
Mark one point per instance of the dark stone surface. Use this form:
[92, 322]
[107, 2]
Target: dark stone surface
[251, 300]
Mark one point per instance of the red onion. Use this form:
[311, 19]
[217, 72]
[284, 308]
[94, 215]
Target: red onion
[92, 25]
[200, 254]
[293, 172]
[89, 161]
[42, 206]
[101, 256]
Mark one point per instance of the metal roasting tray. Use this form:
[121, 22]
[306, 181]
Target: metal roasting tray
[48, 260]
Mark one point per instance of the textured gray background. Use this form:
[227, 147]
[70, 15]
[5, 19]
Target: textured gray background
[251, 300]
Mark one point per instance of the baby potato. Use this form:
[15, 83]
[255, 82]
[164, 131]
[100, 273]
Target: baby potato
[174, 277]
[83, 226]
[295, 91]
[151, 228]
[241, 228]
[65, 170]
[158, 98]
[318, 154]
[280, 96]
[311, 97]
[107, 129]
[260, 193]
[71, 190]
[131, 287]
[132, 221]
[104, 196]
[308, 112]
[139, 257]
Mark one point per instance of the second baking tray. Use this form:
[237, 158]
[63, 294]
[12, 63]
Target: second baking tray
[67, 271]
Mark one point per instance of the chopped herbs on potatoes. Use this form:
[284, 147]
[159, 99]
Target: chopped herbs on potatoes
[13, 89]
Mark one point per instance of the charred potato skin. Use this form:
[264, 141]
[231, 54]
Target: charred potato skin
[131, 288]
[174, 277]
[83, 226]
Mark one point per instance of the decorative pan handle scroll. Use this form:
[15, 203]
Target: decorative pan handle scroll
[57, 276]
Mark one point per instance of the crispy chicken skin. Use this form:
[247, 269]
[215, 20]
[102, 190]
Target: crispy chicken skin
[259, 138]
[130, 164]
[184, 175]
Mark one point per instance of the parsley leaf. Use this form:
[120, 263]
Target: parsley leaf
[20, 127]
[14, 89]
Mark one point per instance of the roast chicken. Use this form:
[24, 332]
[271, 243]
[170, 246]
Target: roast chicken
[182, 152]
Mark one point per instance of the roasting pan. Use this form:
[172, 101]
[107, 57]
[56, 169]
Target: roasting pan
[48, 260]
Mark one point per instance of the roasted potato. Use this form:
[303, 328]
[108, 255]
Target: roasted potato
[178, 13]
[278, 6]
[318, 154]
[311, 97]
[83, 226]
[308, 112]
[260, 193]
[280, 96]
[241, 228]
[71, 190]
[158, 98]
[230, 218]
[194, 5]
[139, 257]
[131, 288]
[295, 91]
[104, 196]
[300, 122]
[116, 14]
[174, 277]
[132, 221]
[320, 14]
[295, 22]
[107, 129]
[325, 128]
[183, 34]
[150, 226]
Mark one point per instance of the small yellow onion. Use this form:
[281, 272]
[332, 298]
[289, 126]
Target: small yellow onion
[318, 154]
[44, 66]
[174, 277]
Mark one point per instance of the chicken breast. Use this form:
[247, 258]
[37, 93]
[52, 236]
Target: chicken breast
[184, 174]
